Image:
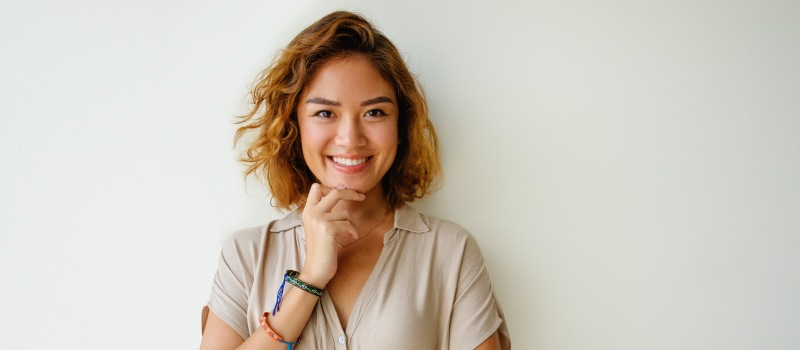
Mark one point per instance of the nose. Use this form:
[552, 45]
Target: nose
[349, 133]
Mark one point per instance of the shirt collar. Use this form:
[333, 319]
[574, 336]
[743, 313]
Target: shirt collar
[406, 218]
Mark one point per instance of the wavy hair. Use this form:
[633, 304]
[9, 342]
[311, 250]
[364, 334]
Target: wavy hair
[274, 151]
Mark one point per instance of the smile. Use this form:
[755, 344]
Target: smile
[349, 161]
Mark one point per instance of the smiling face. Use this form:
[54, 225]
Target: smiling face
[348, 125]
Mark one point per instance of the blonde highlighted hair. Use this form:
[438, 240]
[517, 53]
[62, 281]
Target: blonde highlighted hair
[274, 152]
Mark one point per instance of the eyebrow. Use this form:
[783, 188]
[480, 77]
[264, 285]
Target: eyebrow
[376, 100]
[323, 101]
[327, 102]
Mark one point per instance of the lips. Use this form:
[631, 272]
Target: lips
[349, 161]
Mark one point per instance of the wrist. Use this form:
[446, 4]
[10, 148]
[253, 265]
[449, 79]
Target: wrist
[313, 279]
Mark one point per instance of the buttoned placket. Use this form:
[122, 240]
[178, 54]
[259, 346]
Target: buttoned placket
[337, 334]
[341, 337]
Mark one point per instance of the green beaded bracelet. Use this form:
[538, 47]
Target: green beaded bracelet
[291, 277]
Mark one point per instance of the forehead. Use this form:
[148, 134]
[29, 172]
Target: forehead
[346, 79]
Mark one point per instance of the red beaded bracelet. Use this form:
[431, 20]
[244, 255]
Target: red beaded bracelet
[273, 334]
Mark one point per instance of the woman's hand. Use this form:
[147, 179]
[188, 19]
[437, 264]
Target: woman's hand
[322, 226]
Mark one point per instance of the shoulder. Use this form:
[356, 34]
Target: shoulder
[443, 226]
[253, 237]
[437, 232]
[444, 230]
[243, 247]
[247, 247]
[245, 238]
[408, 219]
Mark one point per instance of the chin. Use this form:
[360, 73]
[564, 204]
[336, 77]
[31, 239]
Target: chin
[357, 186]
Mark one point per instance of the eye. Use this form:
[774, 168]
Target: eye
[375, 113]
[324, 114]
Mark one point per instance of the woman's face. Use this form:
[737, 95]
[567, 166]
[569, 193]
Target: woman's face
[348, 125]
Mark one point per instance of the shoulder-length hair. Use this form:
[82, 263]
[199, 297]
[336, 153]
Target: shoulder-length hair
[274, 152]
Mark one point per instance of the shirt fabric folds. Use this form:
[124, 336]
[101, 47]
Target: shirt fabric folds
[429, 289]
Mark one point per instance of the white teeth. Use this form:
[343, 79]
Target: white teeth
[348, 161]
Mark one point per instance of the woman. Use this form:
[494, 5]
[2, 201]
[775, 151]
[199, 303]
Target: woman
[342, 135]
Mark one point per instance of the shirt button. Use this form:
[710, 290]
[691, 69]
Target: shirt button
[341, 340]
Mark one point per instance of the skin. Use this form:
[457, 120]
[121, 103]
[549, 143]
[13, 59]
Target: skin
[348, 110]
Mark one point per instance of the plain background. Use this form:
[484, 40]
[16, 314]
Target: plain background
[630, 169]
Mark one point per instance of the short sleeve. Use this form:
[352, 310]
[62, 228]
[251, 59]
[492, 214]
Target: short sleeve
[476, 314]
[234, 280]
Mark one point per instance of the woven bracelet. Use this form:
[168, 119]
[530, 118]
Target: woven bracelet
[265, 326]
[291, 277]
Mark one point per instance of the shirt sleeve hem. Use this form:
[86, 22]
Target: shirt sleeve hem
[228, 320]
[485, 333]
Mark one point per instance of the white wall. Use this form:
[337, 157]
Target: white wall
[630, 169]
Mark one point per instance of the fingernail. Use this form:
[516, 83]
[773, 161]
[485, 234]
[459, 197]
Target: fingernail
[341, 187]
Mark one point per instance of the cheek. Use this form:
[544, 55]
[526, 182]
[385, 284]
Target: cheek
[310, 139]
[309, 152]
[390, 137]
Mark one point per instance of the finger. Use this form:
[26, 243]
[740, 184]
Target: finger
[339, 215]
[325, 189]
[314, 195]
[335, 195]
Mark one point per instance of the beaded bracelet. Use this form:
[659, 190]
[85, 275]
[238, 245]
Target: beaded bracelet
[291, 277]
[273, 334]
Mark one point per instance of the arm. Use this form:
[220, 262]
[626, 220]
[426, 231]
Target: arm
[218, 335]
[296, 308]
[476, 316]
[321, 229]
[491, 343]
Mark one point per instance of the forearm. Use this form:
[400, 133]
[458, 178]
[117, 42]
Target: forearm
[321, 227]
[295, 310]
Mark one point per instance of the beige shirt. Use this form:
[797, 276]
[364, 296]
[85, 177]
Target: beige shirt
[429, 289]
